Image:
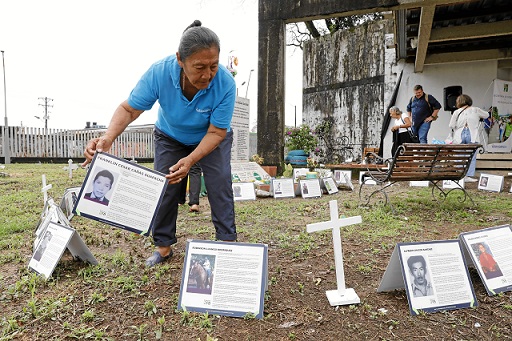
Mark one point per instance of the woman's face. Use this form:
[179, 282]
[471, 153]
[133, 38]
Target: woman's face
[393, 113]
[201, 67]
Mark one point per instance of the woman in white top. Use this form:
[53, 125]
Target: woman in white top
[399, 125]
[464, 123]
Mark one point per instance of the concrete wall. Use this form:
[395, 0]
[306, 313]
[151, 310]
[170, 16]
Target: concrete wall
[344, 80]
[350, 76]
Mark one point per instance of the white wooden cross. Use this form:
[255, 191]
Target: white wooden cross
[45, 189]
[341, 296]
[71, 167]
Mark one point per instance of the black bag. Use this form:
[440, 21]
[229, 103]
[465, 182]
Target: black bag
[413, 137]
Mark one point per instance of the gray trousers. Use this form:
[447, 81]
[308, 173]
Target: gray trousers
[216, 168]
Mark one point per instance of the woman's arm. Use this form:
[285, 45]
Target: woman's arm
[210, 141]
[123, 116]
[453, 120]
[407, 121]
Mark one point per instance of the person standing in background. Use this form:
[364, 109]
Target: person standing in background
[400, 127]
[464, 123]
[194, 188]
[423, 109]
[488, 123]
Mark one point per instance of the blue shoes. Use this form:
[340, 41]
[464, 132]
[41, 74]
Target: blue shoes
[156, 258]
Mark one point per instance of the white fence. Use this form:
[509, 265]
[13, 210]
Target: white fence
[25, 142]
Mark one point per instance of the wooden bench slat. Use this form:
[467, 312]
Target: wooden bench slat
[424, 162]
[427, 162]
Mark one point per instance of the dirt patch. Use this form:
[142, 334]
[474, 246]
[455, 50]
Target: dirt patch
[122, 300]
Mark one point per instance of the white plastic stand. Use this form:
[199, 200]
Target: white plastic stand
[45, 189]
[341, 296]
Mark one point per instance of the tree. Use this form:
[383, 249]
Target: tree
[300, 32]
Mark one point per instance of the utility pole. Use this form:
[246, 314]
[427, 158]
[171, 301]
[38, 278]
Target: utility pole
[248, 81]
[46, 118]
[5, 133]
[46, 105]
[295, 116]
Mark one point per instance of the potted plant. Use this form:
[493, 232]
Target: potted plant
[271, 170]
[300, 141]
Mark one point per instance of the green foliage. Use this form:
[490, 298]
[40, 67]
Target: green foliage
[288, 170]
[301, 138]
[140, 331]
[160, 327]
[257, 158]
[87, 316]
[205, 321]
[150, 308]
[78, 300]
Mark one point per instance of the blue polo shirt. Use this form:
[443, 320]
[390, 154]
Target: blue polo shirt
[183, 120]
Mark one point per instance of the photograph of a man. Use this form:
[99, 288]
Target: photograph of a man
[237, 190]
[337, 176]
[483, 181]
[41, 248]
[305, 188]
[278, 188]
[102, 183]
[420, 286]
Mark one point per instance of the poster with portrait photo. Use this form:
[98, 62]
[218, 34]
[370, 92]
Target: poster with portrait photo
[54, 239]
[342, 176]
[490, 250]
[243, 191]
[330, 185]
[434, 275]
[50, 248]
[121, 193]
[310, 188]
[283, 188]
[51, 213]
[69, 200]
[491, 182]
[299, 174]
[224, 278]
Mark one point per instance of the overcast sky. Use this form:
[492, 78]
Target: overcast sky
[88, 55]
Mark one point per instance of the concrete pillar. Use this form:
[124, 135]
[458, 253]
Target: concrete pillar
[271, 89]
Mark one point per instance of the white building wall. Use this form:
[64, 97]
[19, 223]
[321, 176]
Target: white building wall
[475, 78]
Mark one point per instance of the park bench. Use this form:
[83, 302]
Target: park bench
[422, 162]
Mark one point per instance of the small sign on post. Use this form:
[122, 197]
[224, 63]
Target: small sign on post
[343, 295]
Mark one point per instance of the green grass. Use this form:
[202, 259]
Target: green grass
[78, 298]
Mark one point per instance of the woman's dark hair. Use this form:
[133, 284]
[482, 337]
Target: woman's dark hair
[195, 38]
[463, 100]
[106, 174]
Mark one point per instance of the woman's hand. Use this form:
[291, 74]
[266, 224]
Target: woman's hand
[179, 171]
[99, 144]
